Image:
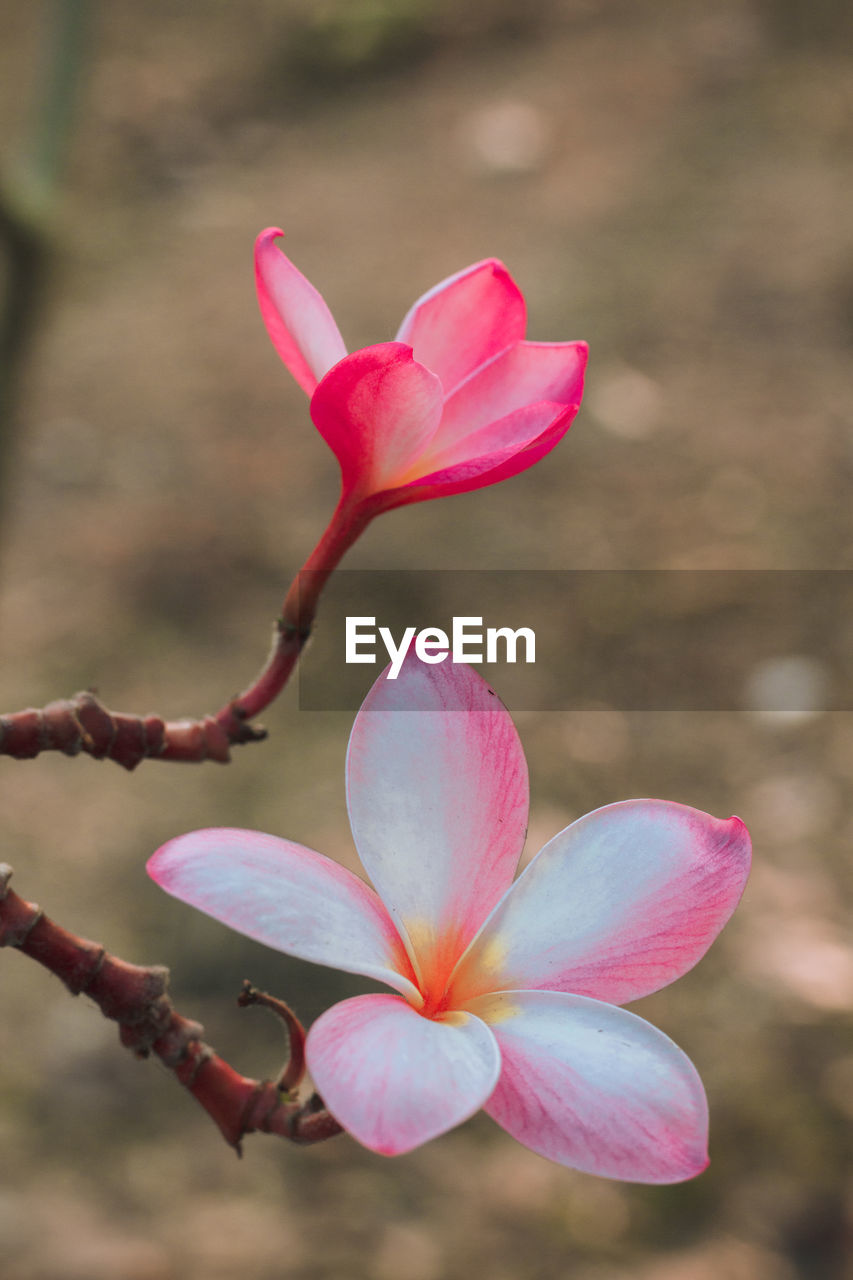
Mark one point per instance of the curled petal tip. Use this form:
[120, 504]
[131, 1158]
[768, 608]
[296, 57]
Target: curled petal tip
[299, 323]
[737, 834]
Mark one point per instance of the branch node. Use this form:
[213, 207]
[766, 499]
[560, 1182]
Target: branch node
[80, 979]
[262, 1105]
[16, 934]
[204, 1054]
[301, 632]
[249, 732]
[18, 918]
[174, 1044]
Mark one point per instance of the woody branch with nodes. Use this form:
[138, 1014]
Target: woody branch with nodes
[137, 999]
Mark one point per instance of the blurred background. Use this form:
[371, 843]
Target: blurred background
[670, 180]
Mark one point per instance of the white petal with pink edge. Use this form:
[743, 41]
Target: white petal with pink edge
[524, 374]
[621, 903]
[298, 321]
[287, 897]
[465, 321]
[438, 798]
[377, 410]
[595, 1087]
[394, 1079]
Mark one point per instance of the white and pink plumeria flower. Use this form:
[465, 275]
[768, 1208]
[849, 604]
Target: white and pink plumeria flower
[507, 993]
[457, 402]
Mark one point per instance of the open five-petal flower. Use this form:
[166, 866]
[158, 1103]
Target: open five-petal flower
[457, 402]
[506, 994]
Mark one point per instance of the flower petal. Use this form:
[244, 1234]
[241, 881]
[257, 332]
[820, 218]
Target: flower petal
[287, 897]
[377, 410]
[528, 435]
[298, 321]
[438, 799]
[465, 321]
[622, 902]
[595, 1087]
[505, 437]
[524, 374]
[395, 1079]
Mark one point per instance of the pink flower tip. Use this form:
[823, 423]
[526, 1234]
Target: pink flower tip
[471, 404]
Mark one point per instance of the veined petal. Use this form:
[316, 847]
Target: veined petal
[524, 450]
[621, 903]
[505, 437]
[377, 410]
[595, 1087]
[438, 796]
[287, 897]
[465, 321]
[298, 321]
[524, 374]
[395, 1079]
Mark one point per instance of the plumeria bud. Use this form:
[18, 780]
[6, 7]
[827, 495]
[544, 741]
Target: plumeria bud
[459, 401]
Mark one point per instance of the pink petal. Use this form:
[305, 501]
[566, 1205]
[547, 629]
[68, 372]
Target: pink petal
[622, 902]
[297, 319]
[506, 437]
[287, 897]
[438, 796]
[377, 410]
[524, 374]
[465, 321]
[395, 1079]
[595, 1088]
[532, 433]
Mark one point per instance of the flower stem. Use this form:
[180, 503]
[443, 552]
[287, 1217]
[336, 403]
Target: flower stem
[293, 627]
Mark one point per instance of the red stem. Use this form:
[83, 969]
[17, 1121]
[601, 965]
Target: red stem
[297, 617]
[84, 724]
[136, 998]
[294, 1069]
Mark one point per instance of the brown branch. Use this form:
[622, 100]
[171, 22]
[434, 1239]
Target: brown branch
[136, 998]
[82, 724]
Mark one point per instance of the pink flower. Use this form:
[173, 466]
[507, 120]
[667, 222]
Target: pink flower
[507, 993]
[457, 402]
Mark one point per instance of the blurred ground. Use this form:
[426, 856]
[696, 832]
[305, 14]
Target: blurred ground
[671, 181]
